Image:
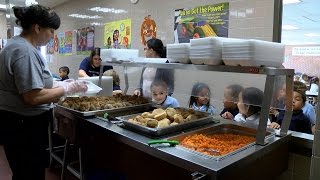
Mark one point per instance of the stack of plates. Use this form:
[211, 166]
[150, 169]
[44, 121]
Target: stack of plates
[178, 53]
[252, 52]
[206, 50]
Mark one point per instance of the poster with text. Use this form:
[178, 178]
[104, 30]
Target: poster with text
[117, 34]
[85, 40]
[201, 21]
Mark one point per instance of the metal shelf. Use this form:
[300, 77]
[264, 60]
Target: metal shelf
[270, 73]
[218, 68]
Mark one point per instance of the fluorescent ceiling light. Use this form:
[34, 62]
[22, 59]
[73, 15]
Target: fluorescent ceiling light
[81, 16]
[312, 34]
[96, 24]
[289, 27]
[3, 6]
[291, 1]
[107, 10]
[30, 2]
[309, 42]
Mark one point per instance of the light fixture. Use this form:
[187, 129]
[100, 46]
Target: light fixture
[3, 6]
[310, 42]
[108, 10]
[81, 16]
[30, 2]
[289, 27]
[291, 1]
[134, 1]
[312, 35]
[96, 24]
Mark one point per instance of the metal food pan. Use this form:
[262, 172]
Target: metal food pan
[221, 129]
[140, 107]
[167, 130]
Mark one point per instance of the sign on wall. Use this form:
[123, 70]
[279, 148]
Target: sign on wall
[85, 40]
[117, 34]
[201, 21]
[306, 51]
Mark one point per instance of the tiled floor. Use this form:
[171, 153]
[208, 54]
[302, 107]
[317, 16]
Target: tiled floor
[5, 172]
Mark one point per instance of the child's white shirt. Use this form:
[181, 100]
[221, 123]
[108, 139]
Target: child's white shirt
[251, 120]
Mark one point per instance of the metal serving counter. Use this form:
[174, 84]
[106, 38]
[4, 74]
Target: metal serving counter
[249, 163]
[226, 168]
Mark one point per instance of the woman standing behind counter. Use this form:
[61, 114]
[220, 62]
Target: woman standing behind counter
[27, 93]
[155, 49]
[90, 66]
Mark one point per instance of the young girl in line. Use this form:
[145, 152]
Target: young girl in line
[230, 100]
[278, 103]
[200, 98]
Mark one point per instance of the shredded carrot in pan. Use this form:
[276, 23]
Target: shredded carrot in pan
[217, 144]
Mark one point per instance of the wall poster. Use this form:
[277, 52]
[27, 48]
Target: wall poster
[50, 46]
[117, 34]
[65, 43]
[201, 21]
[148, 29]
[85, 40]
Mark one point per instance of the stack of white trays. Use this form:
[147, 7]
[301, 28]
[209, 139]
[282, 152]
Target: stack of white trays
[178, 53]
[118, 55]
[206, 50]
[252, 52]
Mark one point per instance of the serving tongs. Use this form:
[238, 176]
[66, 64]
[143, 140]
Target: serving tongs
[163, 141]
[111, 119]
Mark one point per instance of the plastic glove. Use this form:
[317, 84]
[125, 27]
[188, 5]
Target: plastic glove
[61, 83]
[74, 87]
[69, 80]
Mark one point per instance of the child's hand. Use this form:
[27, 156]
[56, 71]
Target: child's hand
[274, 112]
[137, 92]
[274, 125]
[227, 115]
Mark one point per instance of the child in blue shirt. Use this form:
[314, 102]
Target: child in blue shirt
[64, 72]
[200, 98]
[159, 93]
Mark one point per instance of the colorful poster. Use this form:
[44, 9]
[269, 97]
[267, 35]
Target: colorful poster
[202, 21]
[117, 34]
[50, 47]
[56, 43]
[148, 29]
[85, 40]
[61, 40]
[68, 43]
[65, 43]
